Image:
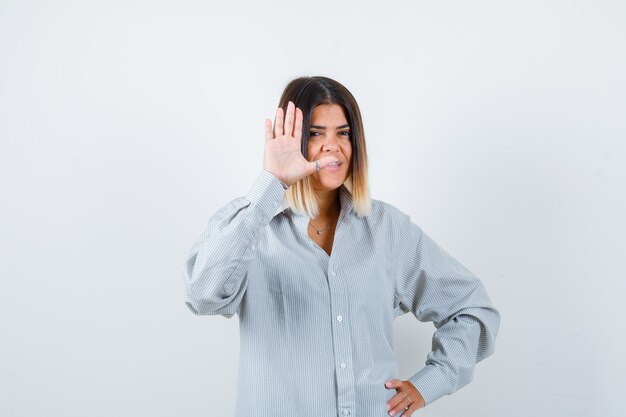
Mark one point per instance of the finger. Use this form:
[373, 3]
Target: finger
[297, 130]
[401, 406]
[311, 167]
[268, 130]
[326, 160]
[412, 408]
[288, 130]
[397, 403]
[393, 383]
[278, 123]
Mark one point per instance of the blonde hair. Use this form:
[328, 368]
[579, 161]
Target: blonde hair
[308, 93]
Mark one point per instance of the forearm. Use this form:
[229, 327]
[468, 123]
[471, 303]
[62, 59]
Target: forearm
[215, 267]
[458, 345]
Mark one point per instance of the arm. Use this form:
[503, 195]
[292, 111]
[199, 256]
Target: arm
[436, 287]
[215, 269]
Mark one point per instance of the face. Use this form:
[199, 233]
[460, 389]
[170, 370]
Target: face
[330, 136]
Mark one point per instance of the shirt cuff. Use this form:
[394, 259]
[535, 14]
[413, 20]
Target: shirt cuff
[431, 382]
[267, 193]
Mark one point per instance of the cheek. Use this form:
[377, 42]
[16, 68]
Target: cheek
[347, 151]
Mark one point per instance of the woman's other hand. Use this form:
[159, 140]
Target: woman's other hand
[407, 396]
[283, 157]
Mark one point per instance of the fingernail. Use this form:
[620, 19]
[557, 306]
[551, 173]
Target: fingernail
[388, 407]
[391, 413]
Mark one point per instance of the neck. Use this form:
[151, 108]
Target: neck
[328, 204]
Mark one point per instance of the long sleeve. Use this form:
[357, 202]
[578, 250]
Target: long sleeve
[436, 287]
[215, 269]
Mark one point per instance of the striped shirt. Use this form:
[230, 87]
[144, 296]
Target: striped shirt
[316, 331]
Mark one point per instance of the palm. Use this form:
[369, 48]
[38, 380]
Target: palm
[283, 157]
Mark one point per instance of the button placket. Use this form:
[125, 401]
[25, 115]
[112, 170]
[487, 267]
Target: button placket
[342, 341]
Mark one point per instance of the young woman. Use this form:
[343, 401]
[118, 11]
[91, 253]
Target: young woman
[317, 271]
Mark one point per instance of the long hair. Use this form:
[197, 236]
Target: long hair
[308, 93]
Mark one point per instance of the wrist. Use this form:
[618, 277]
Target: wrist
[282, 182]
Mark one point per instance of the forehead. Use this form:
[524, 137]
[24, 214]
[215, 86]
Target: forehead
[328, 114]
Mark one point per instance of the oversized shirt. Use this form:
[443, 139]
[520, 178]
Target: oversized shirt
[316, 331]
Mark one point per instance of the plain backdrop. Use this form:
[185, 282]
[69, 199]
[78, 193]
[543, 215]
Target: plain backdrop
[499, 126]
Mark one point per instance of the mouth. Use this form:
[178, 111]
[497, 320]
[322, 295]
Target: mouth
[335, 164]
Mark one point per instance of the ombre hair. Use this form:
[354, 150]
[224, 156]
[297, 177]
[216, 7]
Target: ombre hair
[308, 93]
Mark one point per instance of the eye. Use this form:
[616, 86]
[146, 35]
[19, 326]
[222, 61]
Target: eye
[345, 133]
[314, 133]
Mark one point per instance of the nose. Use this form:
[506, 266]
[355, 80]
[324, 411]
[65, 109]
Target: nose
[330, 144]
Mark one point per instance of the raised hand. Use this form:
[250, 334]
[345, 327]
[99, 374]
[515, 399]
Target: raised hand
[282, 156]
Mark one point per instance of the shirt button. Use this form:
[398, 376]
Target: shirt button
[339, 318]
[346, 412]
[343, 364]
[332, 273]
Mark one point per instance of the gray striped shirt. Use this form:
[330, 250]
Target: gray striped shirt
[316, 331]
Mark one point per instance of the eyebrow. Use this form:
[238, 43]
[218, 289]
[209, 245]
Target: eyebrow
[324, 127]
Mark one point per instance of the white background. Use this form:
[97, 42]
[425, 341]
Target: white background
[499, 126]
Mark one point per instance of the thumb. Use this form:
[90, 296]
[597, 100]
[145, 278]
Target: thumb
[324, 161]
[393, 383]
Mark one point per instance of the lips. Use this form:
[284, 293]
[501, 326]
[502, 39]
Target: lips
[334, 166]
